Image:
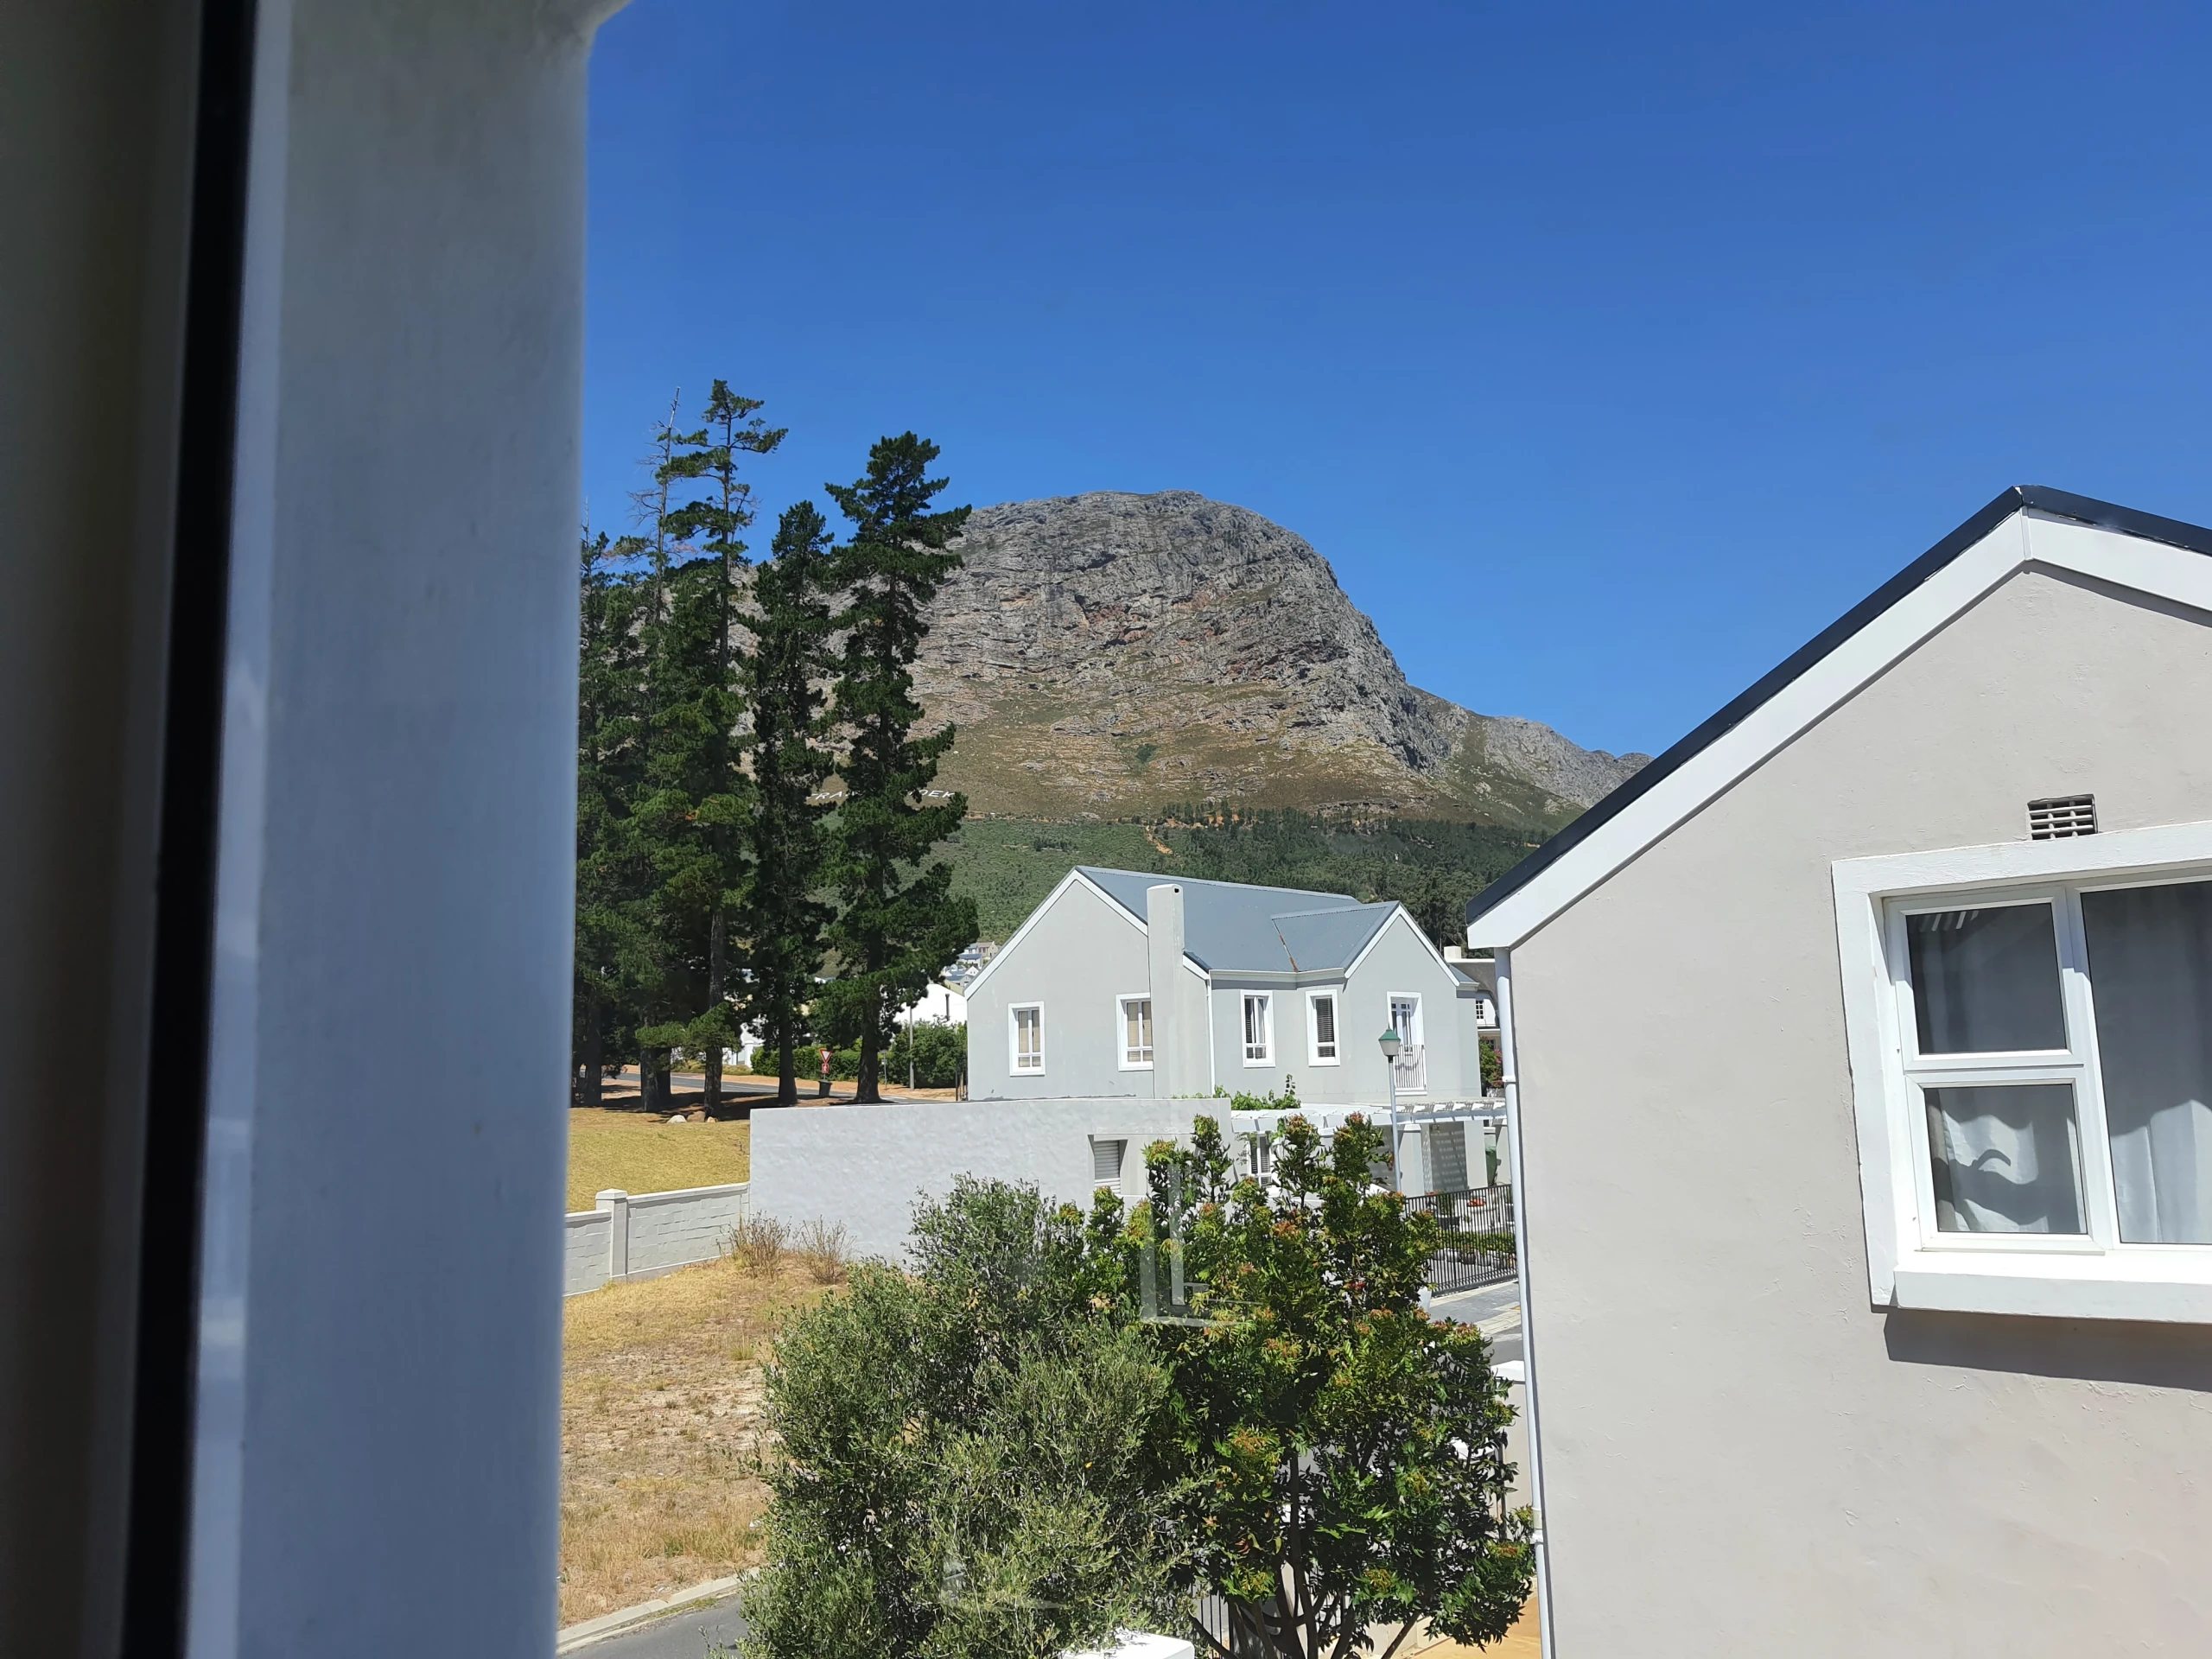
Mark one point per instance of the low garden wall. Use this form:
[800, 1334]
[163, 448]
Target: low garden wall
[636, 1235]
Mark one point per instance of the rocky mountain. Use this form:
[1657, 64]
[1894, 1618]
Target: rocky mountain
[1110, 655]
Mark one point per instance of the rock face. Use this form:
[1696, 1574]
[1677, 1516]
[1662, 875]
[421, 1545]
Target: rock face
[1108, 655]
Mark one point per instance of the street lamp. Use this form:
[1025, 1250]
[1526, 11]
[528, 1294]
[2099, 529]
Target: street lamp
[1390, 1043]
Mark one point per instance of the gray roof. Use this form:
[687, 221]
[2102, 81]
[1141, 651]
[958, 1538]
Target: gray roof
[1229, 927]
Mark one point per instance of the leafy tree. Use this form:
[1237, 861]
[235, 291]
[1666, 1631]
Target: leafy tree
[1347, 1453]
[785, 837]
[898, 922]
[971, 1451]
[1493, 1064]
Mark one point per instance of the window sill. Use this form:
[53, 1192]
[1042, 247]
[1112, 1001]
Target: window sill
[2171, 1285]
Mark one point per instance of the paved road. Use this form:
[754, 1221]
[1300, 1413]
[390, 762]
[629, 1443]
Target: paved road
[1495, 1310]
[686, 1635]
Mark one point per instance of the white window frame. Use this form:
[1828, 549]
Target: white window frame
[1267, 1000]
[1909, 1263]
[1334, 995]
[1014, 1066]
[1257, 1161]
[1121, 1030]
[1415, 1039]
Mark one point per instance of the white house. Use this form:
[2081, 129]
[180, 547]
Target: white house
[1873, 1314]
[1122, 983]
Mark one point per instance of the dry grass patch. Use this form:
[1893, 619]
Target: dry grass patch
[639, 1152]
[661, 1443]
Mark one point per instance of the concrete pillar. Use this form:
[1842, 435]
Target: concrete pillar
[616, 1203]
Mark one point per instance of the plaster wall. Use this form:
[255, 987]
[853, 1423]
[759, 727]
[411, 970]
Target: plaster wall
[1739, 1455]
[1081, 954]
[863, 1167]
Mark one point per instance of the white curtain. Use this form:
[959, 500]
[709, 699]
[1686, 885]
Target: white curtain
[2005, 1159]
[2150, 972]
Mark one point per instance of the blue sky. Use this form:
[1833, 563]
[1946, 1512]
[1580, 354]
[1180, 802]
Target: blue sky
[1608, 351]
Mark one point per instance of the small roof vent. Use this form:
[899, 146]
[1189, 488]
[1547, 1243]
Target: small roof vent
[2061, 816]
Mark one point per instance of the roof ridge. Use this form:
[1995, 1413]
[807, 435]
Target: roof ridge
[2018, 499]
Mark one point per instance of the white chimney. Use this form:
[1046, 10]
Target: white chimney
[1180, 1034]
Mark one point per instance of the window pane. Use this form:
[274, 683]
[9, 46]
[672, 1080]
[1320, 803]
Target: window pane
[2005, 1159]
[1325, 1026]
[2151, 973]
[1984, 980]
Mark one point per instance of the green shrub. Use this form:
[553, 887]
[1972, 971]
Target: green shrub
[971, 1453]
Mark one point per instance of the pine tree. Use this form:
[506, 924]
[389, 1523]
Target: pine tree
[696, 800]
[609, 885]
[895, 931]
[781, 916]
[655, 817]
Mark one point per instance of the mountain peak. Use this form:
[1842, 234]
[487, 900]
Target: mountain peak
[1111, 654]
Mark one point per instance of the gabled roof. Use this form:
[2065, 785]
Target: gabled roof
[1229, 927]
[2027, 524]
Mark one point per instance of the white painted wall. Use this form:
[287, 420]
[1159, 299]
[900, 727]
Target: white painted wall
[862, 1166]
[1733, 1440]
[1399, 960]
[1079, 954]
[587, 1238]
[669, 1230]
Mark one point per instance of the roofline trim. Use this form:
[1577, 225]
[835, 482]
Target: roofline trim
[1830, 668]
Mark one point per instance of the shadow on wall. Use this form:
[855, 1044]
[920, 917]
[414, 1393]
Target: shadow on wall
[2094, 1351]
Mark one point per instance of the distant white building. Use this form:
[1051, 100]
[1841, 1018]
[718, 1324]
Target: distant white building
[939, 1005]
[1123, 983]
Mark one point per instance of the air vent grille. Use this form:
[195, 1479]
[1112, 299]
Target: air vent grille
[2061, 816]
[1106, 1161]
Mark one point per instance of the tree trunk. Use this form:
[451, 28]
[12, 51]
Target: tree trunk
[786, 1060]
[717, 937]
[588, 1077]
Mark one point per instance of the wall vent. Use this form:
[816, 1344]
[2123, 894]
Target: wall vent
[2061, 816]
[1106, 1161]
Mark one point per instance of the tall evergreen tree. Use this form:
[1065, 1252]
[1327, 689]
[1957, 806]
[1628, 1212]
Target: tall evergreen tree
[664, 971]
[696, 788]
[898, 925]
[783, 917]
[609, 750]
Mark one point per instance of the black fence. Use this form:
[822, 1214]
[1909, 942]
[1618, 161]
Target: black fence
[1477, 1249]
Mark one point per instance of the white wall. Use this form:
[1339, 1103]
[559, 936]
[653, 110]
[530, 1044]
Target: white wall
[668, 1230]
[1733, 1441]
[1081, 954]
[587, 1238]
[862, 1166]
[636, 1236]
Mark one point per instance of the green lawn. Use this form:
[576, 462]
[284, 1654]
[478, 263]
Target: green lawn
[641, 1153]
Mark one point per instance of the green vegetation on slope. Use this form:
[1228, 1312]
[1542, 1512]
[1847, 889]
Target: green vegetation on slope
[1431, 866]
